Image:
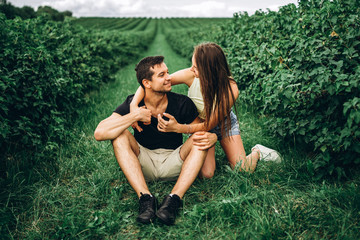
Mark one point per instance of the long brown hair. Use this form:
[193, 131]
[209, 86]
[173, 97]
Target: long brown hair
[215, 78]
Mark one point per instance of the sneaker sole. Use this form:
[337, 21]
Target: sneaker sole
[145, 221]
[163, 220]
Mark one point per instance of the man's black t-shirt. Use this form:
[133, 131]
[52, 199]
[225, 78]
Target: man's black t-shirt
[179, 106]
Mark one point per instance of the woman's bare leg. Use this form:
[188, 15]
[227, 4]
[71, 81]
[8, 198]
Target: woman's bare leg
[235, 153]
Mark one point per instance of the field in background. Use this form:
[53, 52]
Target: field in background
[62, 184]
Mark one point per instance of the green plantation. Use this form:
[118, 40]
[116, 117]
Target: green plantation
[298, 72]
[300, 68]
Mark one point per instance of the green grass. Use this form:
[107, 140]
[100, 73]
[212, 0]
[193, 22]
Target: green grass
[84, 195]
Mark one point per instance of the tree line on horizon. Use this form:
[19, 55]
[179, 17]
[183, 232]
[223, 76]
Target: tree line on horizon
[27, 12]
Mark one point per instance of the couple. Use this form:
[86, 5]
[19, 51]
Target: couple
[159, 118]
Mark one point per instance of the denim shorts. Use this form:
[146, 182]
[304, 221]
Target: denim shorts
[235, 130]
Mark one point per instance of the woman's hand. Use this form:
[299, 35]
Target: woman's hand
[204, 140]
[167, 126]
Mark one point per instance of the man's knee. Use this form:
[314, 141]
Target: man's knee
[191, 145]
[122, 140]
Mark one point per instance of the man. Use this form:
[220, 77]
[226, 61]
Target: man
[152, 154]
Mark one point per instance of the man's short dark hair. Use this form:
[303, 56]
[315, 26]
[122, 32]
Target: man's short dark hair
[144, 68]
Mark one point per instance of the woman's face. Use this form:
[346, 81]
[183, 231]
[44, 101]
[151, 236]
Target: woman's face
[194, 68]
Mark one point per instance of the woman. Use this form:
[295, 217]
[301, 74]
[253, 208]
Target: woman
[214, 92]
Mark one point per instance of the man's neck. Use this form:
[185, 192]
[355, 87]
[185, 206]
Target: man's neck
[156, 101]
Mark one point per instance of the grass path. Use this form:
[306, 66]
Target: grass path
[89, 198]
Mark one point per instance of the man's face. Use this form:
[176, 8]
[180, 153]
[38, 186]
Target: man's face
[194, 67]
[161, 81]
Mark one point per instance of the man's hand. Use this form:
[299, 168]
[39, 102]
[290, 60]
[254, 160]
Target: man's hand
[167, 126]
[142, 114]
[204, 140]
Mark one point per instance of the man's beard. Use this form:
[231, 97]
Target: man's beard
[161, 91]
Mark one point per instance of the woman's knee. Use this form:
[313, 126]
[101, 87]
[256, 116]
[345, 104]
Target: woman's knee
[207, 173]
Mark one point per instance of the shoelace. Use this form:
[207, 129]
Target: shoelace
[173, 203]
[145, 202]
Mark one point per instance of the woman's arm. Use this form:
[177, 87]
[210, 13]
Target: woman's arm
[235, 91]
[172, 125]
[139, 95]
[214, 119]
[185, 76]
[204, 140]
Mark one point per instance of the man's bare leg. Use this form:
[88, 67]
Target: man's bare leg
[193, 161]
[126, 151]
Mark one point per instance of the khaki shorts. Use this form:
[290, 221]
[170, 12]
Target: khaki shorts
[162, 164]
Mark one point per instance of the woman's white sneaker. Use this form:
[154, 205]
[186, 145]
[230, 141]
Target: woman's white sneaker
[267, 154]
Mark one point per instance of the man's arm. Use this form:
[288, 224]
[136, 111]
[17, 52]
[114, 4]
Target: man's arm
[111, 127]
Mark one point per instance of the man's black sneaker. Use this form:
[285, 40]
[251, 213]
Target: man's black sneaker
[147, 207]
[168, 210]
